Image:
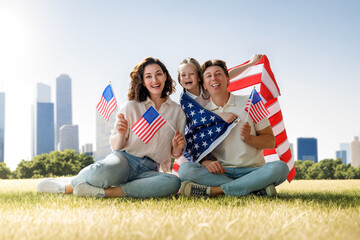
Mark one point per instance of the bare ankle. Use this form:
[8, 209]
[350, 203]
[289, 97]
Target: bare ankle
[215, 191]
[68, 189]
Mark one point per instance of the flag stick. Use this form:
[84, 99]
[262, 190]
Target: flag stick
[170, 126]
[252, 95]
[112, 89]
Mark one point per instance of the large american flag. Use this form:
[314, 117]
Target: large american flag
[205, 129]
[261, 74]
[257, 109]
[107, 103]
[150, 122]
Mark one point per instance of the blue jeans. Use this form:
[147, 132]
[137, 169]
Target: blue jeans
[138, 177]
[236, 181]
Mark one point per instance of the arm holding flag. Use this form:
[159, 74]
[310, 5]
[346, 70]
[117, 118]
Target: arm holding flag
[178, 144]
[118, 140]
[264, 138]
[254, 59]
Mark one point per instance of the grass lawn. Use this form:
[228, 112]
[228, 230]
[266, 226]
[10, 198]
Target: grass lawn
[313, 209]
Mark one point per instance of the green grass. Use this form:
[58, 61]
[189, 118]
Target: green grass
[304, 210]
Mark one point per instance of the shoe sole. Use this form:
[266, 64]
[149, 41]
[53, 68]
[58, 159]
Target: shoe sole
[49, 187]
[182, 188]
[271, 191]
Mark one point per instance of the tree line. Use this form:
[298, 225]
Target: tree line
[69, 163]
[325, 169]
[53, 164]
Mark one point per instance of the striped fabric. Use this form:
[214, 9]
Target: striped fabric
[269, 91]
[150, 122]
[257, 109]
[107, 103]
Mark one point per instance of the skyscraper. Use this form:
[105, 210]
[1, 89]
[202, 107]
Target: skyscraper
[2, 126]
[346, 147]
[342, 155]
[87, 149]
[63, 104]
[103, 131]
[307, 149]
[355, 152]
[69, 137]
[42, 121]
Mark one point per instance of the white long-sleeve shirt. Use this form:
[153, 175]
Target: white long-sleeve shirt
[159, 147]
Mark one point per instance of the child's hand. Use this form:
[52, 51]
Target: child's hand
[255, 58]
[228, 116]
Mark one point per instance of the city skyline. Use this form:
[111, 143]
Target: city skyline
[42, 119]
[312, 48]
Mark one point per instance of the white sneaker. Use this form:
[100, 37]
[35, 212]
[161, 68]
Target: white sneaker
[191, 189]
[86, 190]
[51, 185]
[268, 191]
[271, 191]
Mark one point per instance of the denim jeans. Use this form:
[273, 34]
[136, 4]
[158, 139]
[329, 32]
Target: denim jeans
[236, 181]
[138, 177]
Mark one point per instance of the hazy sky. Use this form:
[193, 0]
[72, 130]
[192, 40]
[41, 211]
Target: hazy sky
[313, 48]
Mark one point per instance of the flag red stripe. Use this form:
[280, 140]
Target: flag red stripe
[106, 108]
[152, 129]
[276, 118]
[269, 151]
[291, 175]
[137, 126]
[240, 84]
[280, 138]
[143, 128]
[175, 167]
[269, 91]
[286, 156]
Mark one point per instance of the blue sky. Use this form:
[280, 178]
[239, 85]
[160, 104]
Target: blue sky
[313, 48]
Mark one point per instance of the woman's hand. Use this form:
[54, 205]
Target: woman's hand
[178, 144]
[121, 124]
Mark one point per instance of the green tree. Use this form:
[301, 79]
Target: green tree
[350, 173]
[66, 163]
[357, 173]
[327, 168]
[340, 171]
[303, 167]
[300, 171]
[5, 172]
[313, 171]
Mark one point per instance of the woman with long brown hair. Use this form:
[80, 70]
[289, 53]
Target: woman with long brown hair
[133, 168]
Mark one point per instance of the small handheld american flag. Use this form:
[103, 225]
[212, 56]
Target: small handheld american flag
[107, 103]
[150, 122]
[255, 107]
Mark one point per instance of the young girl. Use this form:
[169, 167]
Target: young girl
[190, 78]
[132, 170]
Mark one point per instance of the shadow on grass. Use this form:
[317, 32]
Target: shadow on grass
[338, 200]
[342, 200]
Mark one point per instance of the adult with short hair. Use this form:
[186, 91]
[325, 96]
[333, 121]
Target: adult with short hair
[239, 168]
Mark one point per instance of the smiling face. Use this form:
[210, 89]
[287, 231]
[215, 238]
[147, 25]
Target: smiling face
[215, 80]
[154, 80]
[189, 78]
